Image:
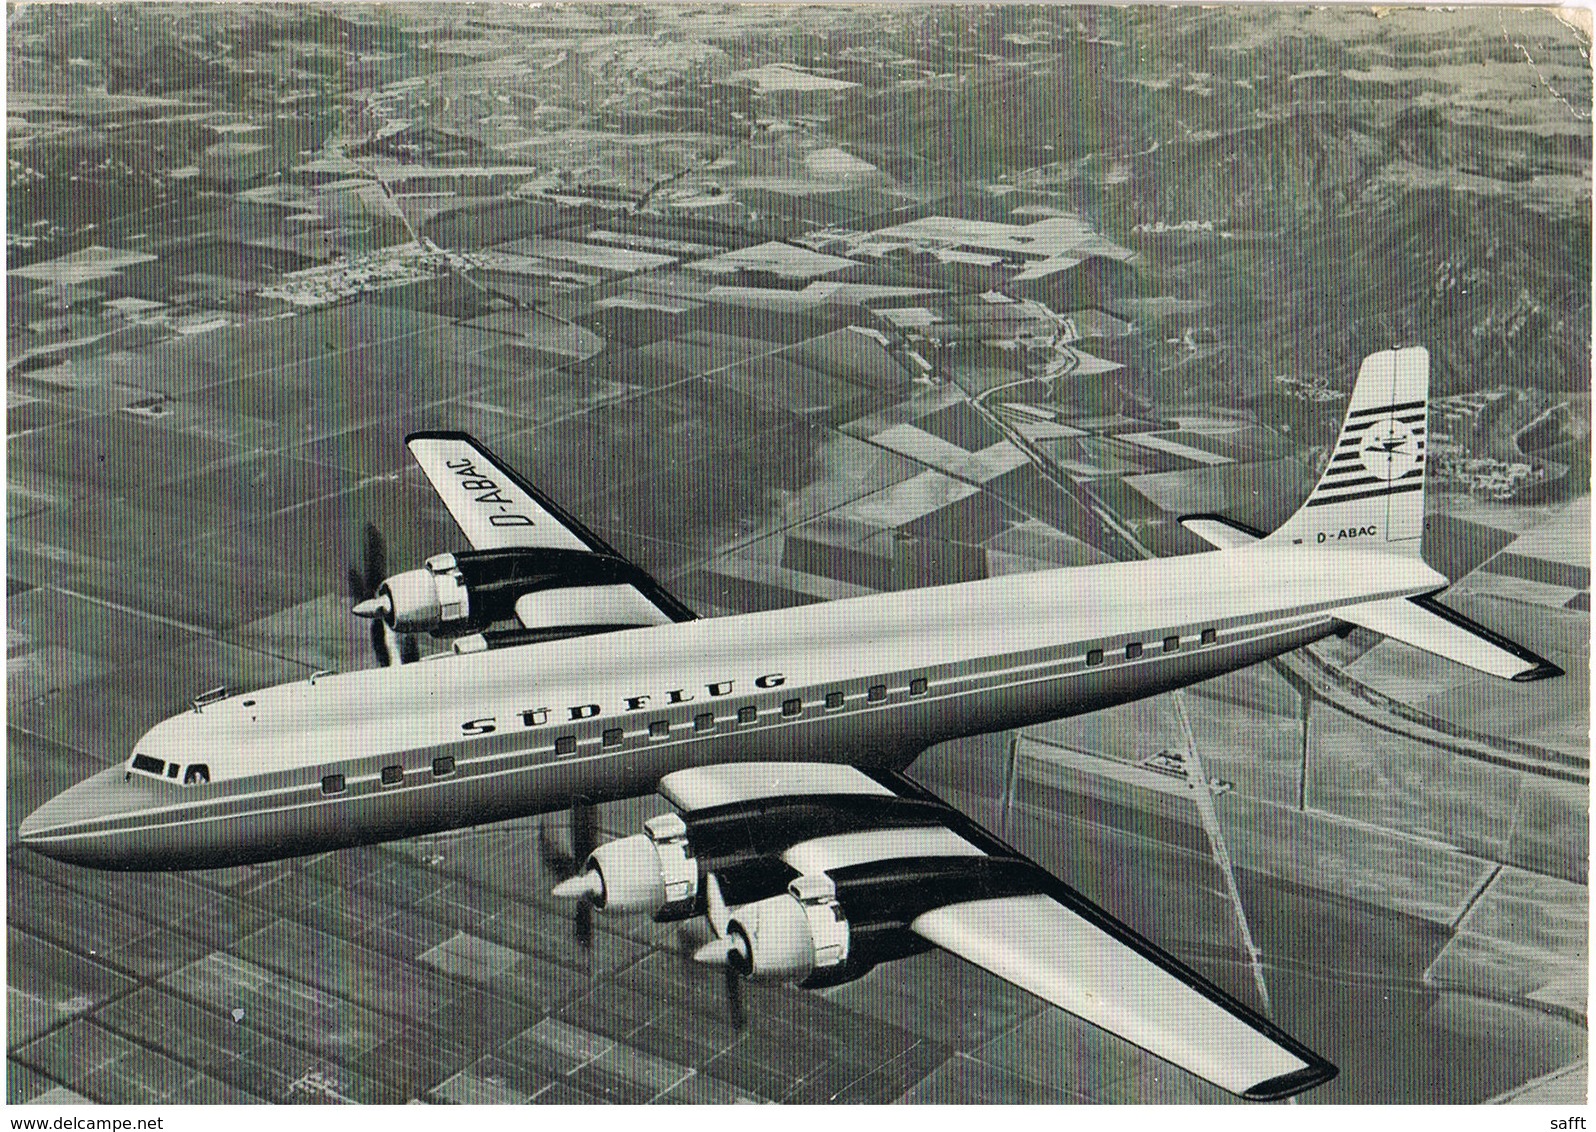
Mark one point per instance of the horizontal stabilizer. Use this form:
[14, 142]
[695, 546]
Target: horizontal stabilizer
[1426, 624]
[1220, 532]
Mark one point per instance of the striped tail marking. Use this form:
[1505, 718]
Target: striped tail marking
[1373, 488]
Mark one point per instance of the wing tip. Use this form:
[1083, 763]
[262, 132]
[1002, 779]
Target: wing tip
[439, 434]
[1543, 670]
[1539, 667]
[1310, 1076]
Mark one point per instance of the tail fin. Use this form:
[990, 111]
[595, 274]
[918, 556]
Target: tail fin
[1372, 493]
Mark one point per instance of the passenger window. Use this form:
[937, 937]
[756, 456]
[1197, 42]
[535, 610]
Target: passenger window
[917, 686]
[834, 699]
[747, 714]
[565, 745]
[1133, 650]
[1171, 644]
[442, 765]
[1210, 636]
[1095, 656]
[332, 784]
[613, 737]
[877, 693]
[705, 722]
[792, 707]
[393, 775]
[659, 729]
[198, 774]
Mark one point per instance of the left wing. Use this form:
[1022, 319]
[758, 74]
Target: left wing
[498, 510]
[1220, 532]
[814, 873]
[495, 507]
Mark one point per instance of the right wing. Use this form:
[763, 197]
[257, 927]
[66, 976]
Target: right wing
[498, 510]
[816, 872]
[1426, 624]
[1121, 985]
[1066, 950]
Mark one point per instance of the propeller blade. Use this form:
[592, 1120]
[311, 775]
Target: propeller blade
[379, 643]
[376, 558]
[409, 650]
[716, 911]
[734, 998]
[584, 830]
[584, 924]
[555, 859]
[584, 839]
[357, 586]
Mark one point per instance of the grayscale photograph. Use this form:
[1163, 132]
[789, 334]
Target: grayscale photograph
[859, 553]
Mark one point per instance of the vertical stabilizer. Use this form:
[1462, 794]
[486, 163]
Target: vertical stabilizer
[1371, 494]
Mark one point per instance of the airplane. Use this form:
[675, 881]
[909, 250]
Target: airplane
[781, 738]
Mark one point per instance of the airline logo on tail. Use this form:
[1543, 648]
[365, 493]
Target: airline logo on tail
[1381, 453]
[1392, 447]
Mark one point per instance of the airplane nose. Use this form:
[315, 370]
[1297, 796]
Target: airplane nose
[76, 824]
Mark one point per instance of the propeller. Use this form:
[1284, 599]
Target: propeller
[363, 583]
[718, 953]
[571, 866]
[727, 950]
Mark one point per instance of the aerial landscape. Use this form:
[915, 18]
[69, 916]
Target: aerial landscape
[793, 305]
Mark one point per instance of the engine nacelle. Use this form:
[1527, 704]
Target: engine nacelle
[454, 594]
[790, 937]
[653, 872]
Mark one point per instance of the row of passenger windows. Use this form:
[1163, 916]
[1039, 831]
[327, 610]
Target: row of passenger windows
[1135, 649]
[394, 775]
[443, 766]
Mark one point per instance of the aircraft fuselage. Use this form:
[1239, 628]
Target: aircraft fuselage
[370, 756]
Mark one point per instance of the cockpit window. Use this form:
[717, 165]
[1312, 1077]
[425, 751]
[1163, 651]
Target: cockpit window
[198, 775]
[148, 765]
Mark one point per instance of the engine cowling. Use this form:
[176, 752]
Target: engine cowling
[831, 927]
[427, 600]
[651, 872]
[790, 937]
